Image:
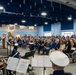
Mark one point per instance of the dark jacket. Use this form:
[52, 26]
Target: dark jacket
[14, 52]
[61, 72]
[31, 46]
[57, 46]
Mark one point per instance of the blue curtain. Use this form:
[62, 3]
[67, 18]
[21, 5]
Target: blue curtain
[47, 28]
[67, 25]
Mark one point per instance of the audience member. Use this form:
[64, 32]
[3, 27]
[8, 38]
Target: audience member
[73, 56]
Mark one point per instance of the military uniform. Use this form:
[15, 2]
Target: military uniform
[59, 60]
[61, 72]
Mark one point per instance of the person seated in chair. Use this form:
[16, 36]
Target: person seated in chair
[50, 45]
[73, 56]
[31, 45]
[15, 52]
[57, 44]
[3, 65]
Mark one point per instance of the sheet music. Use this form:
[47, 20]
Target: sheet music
[12, 63]
[37, 61]
[47, 62]
[22, 66]
[41, 61]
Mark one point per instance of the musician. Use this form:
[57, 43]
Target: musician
[3, 65]
[59, 60]
[15, 52]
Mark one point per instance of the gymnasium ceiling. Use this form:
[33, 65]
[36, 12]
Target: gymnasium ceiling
[70, 3]
[30, 10]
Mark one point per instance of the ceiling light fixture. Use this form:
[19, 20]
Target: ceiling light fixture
[43, 13]
[46, 22]
[15, 24]
[1, 7]
[35, 24]
[70, 17]
[23, 21]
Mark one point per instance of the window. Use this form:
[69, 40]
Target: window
[67, 34]
[31, 27]
[47, 34]
[11, 27]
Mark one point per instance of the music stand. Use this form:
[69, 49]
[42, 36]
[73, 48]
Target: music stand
[41, 62]
[29, 54]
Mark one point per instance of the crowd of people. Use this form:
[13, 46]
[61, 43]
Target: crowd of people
[44, 45]
[57, 47]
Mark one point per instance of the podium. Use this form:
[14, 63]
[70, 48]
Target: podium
[3, 43]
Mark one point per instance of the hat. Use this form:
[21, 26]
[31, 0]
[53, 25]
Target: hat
[16, 44]
[59, 58]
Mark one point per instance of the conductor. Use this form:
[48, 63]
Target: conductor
[59, 61]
